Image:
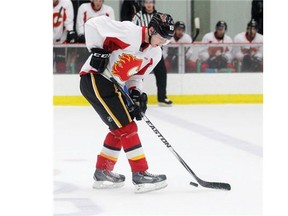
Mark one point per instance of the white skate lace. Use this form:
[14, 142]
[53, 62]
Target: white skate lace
[116, 175]
[149, 174]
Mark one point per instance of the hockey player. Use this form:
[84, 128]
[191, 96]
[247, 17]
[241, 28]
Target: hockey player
[142, 18]
[126, 52]
[88, 10]
[63, 16]
[171, 53]
[250, 56]
[63, 32]
[217, 57]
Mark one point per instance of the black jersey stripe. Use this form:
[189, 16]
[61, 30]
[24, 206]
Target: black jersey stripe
[111, 148]
[133, 148]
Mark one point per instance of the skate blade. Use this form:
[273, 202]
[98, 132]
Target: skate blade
[161, 104]
[147, 187]
[107, 185]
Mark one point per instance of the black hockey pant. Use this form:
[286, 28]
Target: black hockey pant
[106, 100]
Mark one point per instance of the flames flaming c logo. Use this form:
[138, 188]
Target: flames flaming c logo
[126, 66]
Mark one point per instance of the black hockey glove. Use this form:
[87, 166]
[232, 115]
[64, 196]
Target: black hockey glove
[218, 62]
[251, 64]
[81, 39]
[100, 59]
[71, 37]
[140, 100]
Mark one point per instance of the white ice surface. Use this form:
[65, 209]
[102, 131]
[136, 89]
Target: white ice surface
[219, 142]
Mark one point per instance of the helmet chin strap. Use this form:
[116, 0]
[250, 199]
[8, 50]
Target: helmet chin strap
[150, 36]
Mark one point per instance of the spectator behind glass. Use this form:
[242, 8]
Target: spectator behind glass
[257, 14]
[142, 18]
[171, 53]
[63, 17]
[250, 56]
[216, 57]
[88, 10]
[63, 32]
[129, 8]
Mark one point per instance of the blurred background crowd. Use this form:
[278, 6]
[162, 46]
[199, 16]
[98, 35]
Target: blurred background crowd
[214, 49]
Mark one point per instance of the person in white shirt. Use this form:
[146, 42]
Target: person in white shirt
[88, 10]
[63, 17]
[251, 57]
[63, 32]
[171, 53]
[216, 57]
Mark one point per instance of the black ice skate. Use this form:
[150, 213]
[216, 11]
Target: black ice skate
[107, 179]
[166, 102]
[145, 182]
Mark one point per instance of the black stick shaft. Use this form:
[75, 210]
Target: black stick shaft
[59, 14]
[196, 35]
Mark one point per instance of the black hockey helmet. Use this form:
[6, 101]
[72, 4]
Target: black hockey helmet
[221, 24]
[252, 23]
[180, 24]
[163, 24]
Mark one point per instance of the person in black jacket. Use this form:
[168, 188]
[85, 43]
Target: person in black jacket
[257, 14]
[129, 8]
[142, 18]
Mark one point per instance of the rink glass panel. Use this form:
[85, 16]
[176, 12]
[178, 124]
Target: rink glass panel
[179, 58]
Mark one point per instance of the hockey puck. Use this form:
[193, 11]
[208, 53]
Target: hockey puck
[194, 184]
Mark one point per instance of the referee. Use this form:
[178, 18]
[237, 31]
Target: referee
[142, 18]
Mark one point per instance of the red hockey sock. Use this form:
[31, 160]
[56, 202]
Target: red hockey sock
[127, 137]
[109, 153]
[132, 147]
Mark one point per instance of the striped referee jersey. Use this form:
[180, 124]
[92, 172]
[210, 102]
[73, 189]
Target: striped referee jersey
[143, 18]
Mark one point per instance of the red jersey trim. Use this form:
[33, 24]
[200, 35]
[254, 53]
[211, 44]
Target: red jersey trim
[85, 17]
[85, 72]
[112, 43]
[143, 34]
[246, 36]
[65, 15]
[144, 69]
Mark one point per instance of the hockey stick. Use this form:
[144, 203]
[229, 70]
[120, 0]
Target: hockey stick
[59, 14]
[213, 185]
[197, 27]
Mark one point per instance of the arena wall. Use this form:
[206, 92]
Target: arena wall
[196, 88]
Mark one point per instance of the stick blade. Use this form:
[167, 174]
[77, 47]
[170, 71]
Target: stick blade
[216, 185]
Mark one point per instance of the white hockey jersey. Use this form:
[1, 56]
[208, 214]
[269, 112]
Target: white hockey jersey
[210, 50]
[239, 52]
[63, 16]
[86, 11]
[128, 63]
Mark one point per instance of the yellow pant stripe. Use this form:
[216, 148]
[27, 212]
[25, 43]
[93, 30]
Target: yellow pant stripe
[108, 157]
[123, 104]
[103, 102]
[138, 157]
